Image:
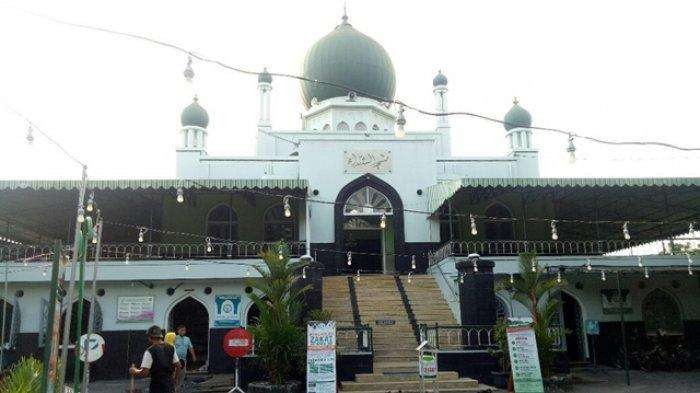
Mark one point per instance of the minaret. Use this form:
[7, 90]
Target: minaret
[443, 123]
[517, 123]
[193, 135]
[264, 125]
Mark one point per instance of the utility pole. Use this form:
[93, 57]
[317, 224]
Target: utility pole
[48, 372]
[93, 295]
[622, 328]
[4, 316]
[87, 233]
[68, 299]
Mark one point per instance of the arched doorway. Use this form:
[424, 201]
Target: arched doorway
[571, 320]
[253, 315]
[661, 314]
[84, 319]
[192, 314]
[369, 224]
[499, 229]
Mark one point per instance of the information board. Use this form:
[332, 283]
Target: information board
[524, 359]
[427, 366]
[320, 357]
[135, 309]
[227, 310]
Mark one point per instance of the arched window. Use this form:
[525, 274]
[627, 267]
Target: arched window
[375, 128]
[501, 308]
[360, 126]
[447, 233]
[222, 223]
[497, 229]
[367, 201]
[661, 313]
[277, 226]
[343, 126]
[326, 127]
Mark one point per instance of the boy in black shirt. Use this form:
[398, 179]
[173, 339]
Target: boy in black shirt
[159, 361]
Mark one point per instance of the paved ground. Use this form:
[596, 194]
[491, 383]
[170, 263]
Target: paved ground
[613, 381]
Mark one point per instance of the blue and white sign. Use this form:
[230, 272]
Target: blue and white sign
[592, 327]
[228, 311]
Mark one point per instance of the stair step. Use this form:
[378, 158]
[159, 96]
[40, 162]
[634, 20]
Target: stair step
[409, 385]
[442, 375]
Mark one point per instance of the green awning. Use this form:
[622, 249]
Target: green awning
[156, 184]
[441, 192]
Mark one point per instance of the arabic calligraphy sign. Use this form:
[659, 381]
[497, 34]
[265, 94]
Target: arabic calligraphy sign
[367, 161]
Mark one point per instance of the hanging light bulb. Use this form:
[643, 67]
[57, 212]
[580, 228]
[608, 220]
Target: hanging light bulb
[476, 266]
[142, 231]
[44, 271]
[189, 72]
[409, 277]
[602, 275]
[94, 238]
[533, 265]
[690, 270]
[646, 272]
[691, 228]
[571, 149]
[30, 135]
[559, 276]
[287, 208]
[303, 273]
[81, 214]
[208, 240]
[413, 262]
[91, 202]
[690, 259]
[461, 278]
[126, 259]
[625, 230]
[357, 276]
[25, 262]
[588, 264]
[472, 224]
[349, 258]
[639, 261]
[400, 123]
[555, 234]
[280, 254]
[187, 265]
[382, 221]
[511, 279]
[180, 195]
[247, 271]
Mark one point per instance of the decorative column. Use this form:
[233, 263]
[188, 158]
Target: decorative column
[443, 123]
[476, 292]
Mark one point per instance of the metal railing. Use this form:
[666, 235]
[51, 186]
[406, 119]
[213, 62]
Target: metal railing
[458, 337]
[541, 247]
[157, 251]
[354, 339]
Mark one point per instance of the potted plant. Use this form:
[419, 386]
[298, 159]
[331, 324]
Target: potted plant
[532, 289]
[279, 333]
[501, 379]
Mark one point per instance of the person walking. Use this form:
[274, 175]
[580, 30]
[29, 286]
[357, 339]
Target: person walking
[183, 346]
[159, 362]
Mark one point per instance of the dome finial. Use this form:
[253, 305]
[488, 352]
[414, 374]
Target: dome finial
[516, 101]
[345, 12]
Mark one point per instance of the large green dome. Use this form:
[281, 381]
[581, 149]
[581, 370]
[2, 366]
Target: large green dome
[194, 115]
[349, 58]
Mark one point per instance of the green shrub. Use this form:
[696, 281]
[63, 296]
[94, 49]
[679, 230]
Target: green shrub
[23, 377]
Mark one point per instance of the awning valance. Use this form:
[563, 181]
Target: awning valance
[156, 184]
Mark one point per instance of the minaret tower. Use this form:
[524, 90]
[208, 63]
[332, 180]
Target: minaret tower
[264, 125]
[443, 123]
[517, 123]
[193, 135]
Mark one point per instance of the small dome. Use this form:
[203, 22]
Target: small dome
[517, 117]
[440, 79]
[347, 57]
[264, 76]
[194, 115]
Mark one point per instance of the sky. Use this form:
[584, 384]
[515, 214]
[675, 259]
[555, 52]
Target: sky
[623, 70]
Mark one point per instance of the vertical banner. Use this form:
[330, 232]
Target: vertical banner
[524, 359]
[320, 357]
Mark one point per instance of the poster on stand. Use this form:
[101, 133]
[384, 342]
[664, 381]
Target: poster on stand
[524, 359]
[320, 357]
[228, 310]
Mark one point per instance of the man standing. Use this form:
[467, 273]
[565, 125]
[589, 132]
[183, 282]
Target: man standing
[183, 345]
[159, 361]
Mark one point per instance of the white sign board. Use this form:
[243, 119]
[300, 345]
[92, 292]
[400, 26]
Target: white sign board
[320, 357]
[135, 309]
[427, 366]
[367, 161]
[524, 359]
[93, 349]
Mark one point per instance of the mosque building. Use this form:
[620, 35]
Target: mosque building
[391, 219]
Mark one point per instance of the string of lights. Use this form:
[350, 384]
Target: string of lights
[189, 75]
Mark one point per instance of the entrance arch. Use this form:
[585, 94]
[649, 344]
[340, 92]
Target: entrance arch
[571, 320]
[353, 229]
[193, 314]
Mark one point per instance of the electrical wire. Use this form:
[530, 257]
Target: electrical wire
[349, 89]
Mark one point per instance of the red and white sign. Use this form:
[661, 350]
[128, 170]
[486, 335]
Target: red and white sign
[237, 342]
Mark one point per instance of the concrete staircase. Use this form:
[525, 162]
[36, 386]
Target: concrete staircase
[394, 342]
